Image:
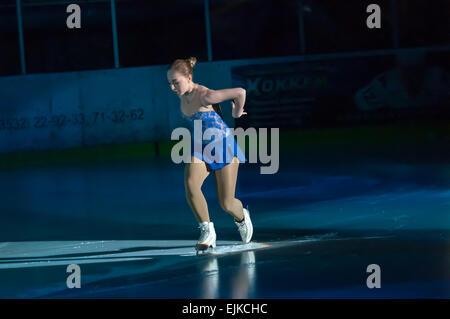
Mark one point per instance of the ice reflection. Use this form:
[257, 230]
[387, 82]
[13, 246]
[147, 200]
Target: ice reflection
[242, 282]
[210, 282]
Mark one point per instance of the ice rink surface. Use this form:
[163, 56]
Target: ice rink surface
[318, 226]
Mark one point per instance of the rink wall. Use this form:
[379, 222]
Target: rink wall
[88, 108]
[103, 107]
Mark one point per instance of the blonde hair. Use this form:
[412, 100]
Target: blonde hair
[184, 66]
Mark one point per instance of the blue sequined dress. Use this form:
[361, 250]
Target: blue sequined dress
[218, 146]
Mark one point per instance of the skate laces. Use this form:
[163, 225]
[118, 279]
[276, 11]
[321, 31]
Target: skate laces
[204, 228]
[244, 221]
[204, 231]
[242, 224]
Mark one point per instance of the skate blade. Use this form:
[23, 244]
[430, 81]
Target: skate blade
[202, 248]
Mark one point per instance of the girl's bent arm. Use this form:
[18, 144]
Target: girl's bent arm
[218, 96]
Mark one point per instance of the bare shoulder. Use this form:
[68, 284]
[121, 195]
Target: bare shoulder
[203, 90]
[202, 93]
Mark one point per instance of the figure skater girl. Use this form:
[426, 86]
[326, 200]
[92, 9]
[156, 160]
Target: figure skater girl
[201, 103]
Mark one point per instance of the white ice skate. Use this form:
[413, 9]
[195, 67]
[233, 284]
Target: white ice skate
[245, 227]
[207, 237]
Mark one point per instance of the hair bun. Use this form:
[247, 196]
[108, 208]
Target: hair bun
[192, 60]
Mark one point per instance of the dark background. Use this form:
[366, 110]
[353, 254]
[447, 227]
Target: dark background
[156, 32]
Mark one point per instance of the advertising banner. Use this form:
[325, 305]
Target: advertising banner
[411, 85]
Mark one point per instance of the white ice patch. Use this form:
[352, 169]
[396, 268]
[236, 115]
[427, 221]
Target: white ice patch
[55, 253]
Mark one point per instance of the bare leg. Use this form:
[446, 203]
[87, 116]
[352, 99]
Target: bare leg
[194, 175]
[226, 185]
